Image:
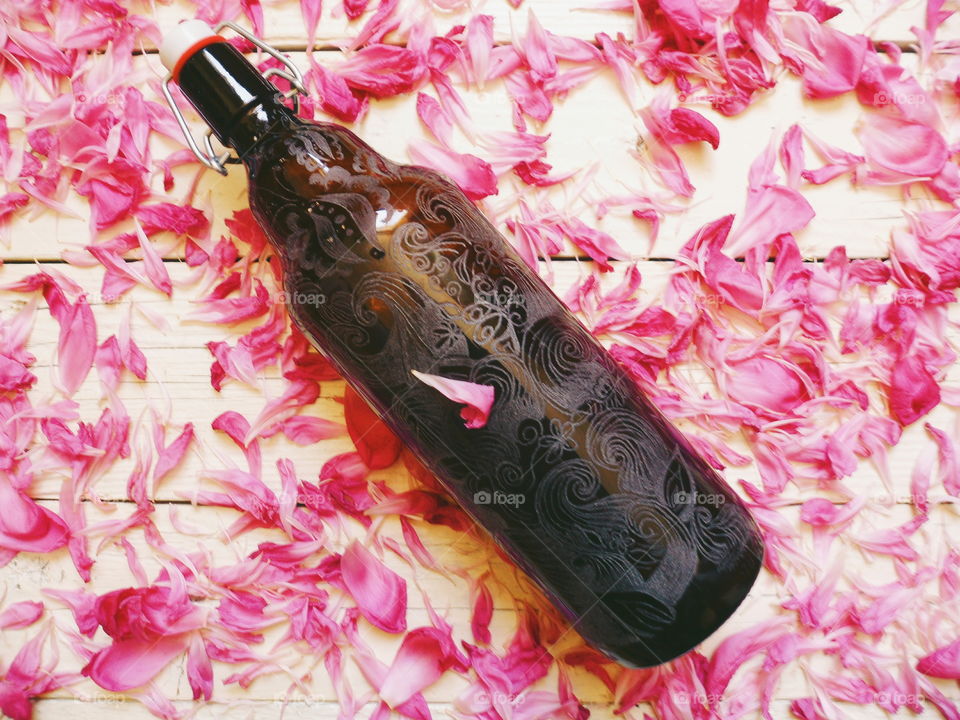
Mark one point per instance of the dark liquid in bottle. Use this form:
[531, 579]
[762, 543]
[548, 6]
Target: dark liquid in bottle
[576, 475]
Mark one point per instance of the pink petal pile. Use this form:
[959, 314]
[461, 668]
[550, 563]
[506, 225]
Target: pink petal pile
[815, 372]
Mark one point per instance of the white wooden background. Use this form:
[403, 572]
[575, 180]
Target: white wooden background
[593, 125]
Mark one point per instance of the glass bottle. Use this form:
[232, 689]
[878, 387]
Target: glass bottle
[389, 268]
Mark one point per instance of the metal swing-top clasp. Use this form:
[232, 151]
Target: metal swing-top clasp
[294, 77]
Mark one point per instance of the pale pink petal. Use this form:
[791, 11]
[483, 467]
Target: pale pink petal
[478, 399]
[307, 430]
[20, 614]
[77, 345]
[944, 662]
[425, 654]
[134, 662]
[913, 390]
[905, 147]
[380, 594]
[170, 456]
[473, 175]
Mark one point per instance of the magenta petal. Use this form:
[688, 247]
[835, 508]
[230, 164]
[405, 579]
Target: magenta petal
[906, 147]
[26, 526]
[131, 663]
[913, 390]
[477, 398]
[199, 669]
[21, 614]
[426, 653]
[380, 594]
[943, 662]
[473, 175]
[77, 345]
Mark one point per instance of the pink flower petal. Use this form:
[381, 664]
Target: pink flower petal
[20, 614]
[134, 662]
[944, 662]
[380, 594]
[905, 147]
[478, 399]
[473, 175]
[913, 390]
[307, 430]
[77, 345]
[26, 526]
[425, 654]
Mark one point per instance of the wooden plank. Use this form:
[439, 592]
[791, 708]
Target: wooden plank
[581, 139]
[178, 384]
[109, 709]
[880, 20]
[449, 594]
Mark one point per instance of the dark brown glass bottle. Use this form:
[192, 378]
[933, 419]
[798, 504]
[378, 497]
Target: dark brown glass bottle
[389, 268]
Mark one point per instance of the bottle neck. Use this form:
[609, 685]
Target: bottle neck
[231, 95]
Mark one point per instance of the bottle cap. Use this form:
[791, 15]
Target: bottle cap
[182, 41]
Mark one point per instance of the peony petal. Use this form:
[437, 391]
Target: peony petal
[478, 399]
[131, 663]
[26, 526]
[473, 175]
[307, 430]
[944, 662]
[20, 614]
[425, 654]
[77, 345]
[905, 147]
[375, 442]
[913, 390]
[380, 594]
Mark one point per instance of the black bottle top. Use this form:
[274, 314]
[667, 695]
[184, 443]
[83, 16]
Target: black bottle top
[224, 87]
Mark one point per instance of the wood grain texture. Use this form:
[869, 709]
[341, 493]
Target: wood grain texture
[594, 127]
[178, 384]
[594, 131]
[283, 23]
[448, 593]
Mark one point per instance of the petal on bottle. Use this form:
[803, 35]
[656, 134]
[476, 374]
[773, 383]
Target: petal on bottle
[482, 614]
[380, 594]
[477, 399]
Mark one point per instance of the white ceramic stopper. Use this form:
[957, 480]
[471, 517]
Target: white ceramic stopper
[180, 39]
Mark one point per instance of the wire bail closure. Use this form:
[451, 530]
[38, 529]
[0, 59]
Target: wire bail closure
[294, 77]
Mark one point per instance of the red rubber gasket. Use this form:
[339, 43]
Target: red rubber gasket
[189, 52]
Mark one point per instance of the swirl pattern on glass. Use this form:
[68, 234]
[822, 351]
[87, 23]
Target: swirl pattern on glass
[576, 475]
